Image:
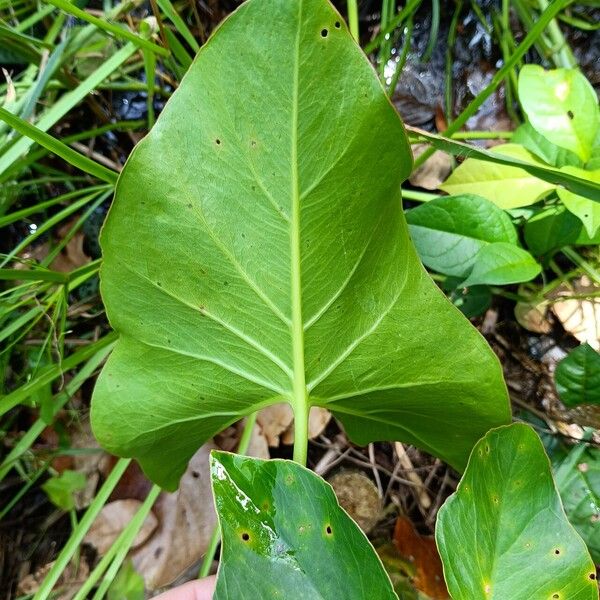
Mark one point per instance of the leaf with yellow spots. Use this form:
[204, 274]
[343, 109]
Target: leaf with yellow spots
[504, 534]
[285, 536]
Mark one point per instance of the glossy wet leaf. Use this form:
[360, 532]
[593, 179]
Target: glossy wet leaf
[504, 534]
[285, 536]
[562, 106]
[586, 210]
[577, 478]
[577, 376]
[264, 258]
[448, 232]
[502, 264]
[505, 186]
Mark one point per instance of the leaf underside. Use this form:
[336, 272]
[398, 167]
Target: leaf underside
[274, 546]
[504, 534]
[256, 252]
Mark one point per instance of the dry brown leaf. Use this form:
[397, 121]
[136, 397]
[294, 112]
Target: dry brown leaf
[88, 463]
[421, 552]
[11, 92]
[273, 421]
[111, 521]
[318, 419]
[68, 584]
[277, 423]
[359, 497]
[533, 316]
[132, 485]
[258, 447]
[186, 520]
[580, 317]
[72, 255]
[409, 469]
[433, 172]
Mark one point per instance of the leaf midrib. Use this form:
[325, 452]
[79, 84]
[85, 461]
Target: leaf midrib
[299, 394]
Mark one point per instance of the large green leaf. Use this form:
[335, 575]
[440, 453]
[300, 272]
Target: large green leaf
[562, 106]
[256, 252]
[586, 210]
[577, 376]
[450, 231]
[505, 186]
[504, 534]
[285, 536]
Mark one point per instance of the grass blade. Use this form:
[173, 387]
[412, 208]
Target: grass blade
[82, 528]
[87, 165]
[110, 28]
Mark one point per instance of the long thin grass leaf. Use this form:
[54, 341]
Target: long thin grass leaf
[179, 23]
[108, 27]
[64, 104]
[74, 158]
[58, 402]
[583, 187]
[82, 528]
[53, 372]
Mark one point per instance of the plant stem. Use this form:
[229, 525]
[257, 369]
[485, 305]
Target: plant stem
[216, 534]
[419, 196]
[403, 55]
[299, 400]
[433, 31]
[131, 530]
[583, 264]
[563, 53]
[353, 19]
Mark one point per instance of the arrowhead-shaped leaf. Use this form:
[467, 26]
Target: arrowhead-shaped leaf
[504, 534]
[285, 536]
[257, 252]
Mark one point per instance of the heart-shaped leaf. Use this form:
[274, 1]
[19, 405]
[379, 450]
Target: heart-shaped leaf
[504, 534]
[505, 186]
[256, 253]
[562, 106]
[450, 231]
[577, 377]
[285, 535]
